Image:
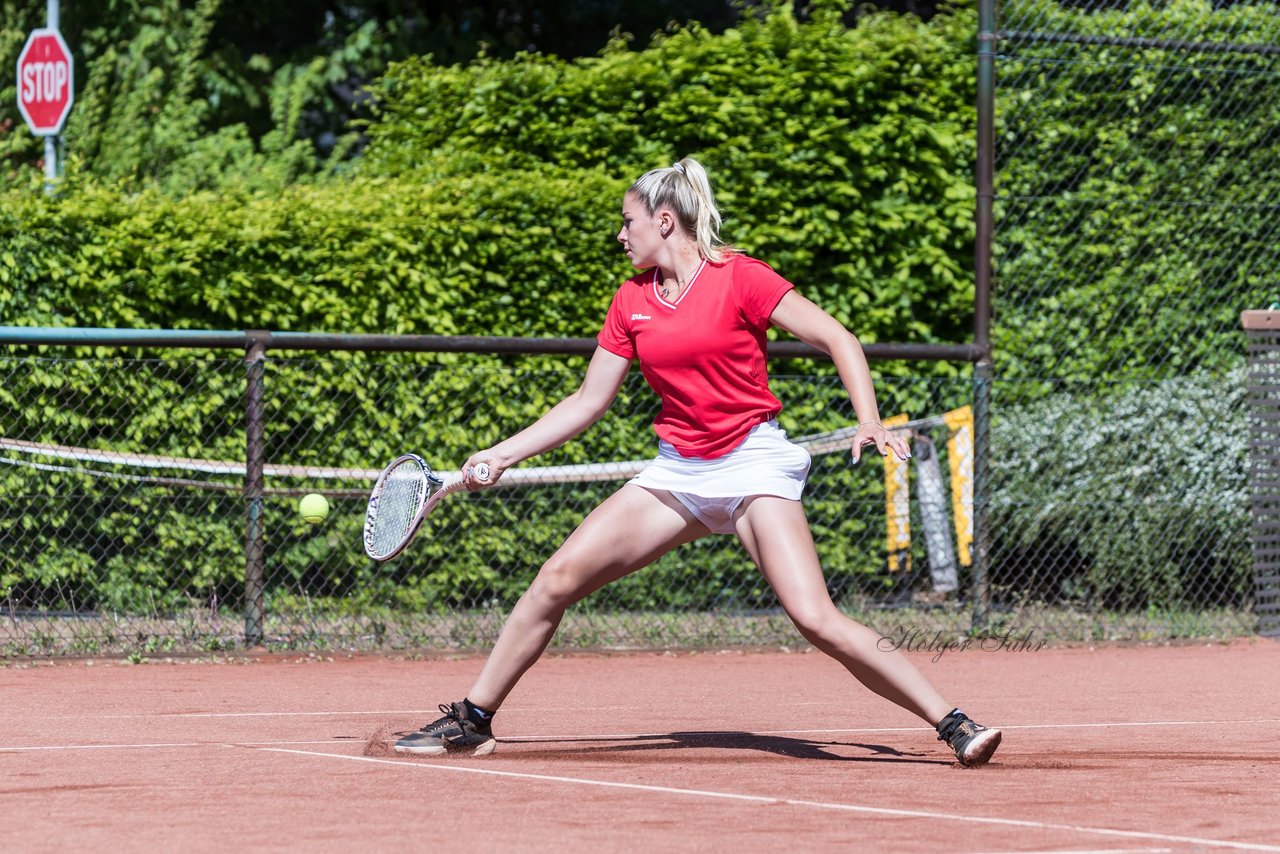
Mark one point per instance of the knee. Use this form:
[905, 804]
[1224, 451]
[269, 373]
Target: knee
[556, 585]
[822, 627]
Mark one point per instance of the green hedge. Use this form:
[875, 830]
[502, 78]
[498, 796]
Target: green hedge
[123, 543]
[853, 185]
[1137, 188]
[487, 200]
[841, 156]
[368, 255]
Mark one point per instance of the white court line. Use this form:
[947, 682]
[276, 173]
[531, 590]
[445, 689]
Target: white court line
[176, 715]
[623, 736]
[419, 712]
[275, 746]
[52, 747]
[795, 802]
[356, 713]
[854, 731]
[1089, 851]
[35, 748]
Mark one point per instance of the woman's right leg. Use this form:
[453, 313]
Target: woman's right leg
[631, 529]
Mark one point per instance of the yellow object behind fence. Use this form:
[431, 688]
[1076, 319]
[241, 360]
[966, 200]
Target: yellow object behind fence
[960, 460]
[897, 489]
[897, 498]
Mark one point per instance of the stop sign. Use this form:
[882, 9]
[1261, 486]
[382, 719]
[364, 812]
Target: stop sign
[45, 82]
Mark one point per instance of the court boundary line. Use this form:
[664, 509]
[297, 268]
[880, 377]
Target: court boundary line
[418, 712]
[275, 746]
[796, 802]
[517, 739]
[353, 739]
[553, 739]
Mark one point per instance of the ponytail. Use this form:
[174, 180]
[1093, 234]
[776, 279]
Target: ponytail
[685, 190]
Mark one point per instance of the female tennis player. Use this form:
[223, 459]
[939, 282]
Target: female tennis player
[695, 318]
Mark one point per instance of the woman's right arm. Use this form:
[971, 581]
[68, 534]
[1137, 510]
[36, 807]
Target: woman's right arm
[561, 422]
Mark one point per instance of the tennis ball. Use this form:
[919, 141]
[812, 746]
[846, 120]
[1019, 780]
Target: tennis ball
[313, 508]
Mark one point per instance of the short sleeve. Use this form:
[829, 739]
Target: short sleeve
[759, 290]
[614, 335]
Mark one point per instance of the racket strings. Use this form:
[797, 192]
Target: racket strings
[403, 493]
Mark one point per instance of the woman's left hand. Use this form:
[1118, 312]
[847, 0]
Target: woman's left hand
[874, 433]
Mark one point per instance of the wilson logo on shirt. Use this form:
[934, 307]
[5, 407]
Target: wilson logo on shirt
[638, 316]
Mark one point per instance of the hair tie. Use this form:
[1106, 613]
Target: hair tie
[679, 167]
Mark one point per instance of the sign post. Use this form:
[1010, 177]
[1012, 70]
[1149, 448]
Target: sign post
[46, 88]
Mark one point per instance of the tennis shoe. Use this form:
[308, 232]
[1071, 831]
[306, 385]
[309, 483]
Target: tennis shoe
[974, 744]
[456, 732]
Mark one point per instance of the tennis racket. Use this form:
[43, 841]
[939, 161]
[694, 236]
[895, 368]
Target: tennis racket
[405, 494]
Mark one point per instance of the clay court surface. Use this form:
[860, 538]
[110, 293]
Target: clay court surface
[1170, 748]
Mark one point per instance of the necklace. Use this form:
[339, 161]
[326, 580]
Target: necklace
[665, 287]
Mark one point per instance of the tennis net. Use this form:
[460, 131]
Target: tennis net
[125, 533]
[146, 549]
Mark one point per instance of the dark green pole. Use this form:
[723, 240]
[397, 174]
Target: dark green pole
[255, 461]
[983, 370]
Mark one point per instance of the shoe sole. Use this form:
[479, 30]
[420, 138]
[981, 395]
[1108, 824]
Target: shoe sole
[482, 749]
[981, 749]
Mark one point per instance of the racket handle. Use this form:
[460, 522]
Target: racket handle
[481, 472]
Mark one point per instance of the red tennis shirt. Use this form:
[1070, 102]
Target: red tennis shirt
[704, 353]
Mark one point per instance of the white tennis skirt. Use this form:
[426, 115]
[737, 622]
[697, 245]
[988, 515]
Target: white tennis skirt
[766, 463]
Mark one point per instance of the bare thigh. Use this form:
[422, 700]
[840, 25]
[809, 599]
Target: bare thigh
[775, 532]
[629, 530]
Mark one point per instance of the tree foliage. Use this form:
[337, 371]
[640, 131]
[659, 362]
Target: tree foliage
[486, 200]
[1137, 191]
[151, 104]
[842, 156]
[200, 94]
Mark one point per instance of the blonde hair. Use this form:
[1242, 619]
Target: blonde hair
[685, 190]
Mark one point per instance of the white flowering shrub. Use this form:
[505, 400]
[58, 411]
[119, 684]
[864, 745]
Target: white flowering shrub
[1126, 494]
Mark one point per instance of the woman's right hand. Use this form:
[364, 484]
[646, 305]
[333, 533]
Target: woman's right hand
[487, 458]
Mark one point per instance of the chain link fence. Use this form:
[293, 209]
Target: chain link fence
[131, 508]
[1137, 163]
[1137, 173]
[131, 512]
[1137, 166]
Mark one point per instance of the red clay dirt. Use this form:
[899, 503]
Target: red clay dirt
[1114, 748]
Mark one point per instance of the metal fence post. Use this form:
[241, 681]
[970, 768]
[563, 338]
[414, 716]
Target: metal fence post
[1262, 329]
[984, 235]
[255, 453]
[981, 491]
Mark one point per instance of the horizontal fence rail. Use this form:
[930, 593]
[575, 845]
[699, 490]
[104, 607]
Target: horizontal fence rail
[319, 341]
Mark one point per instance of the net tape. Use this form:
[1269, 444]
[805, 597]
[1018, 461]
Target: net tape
[816, 444]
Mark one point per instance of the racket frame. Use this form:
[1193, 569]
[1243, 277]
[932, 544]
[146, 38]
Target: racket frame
[435, 489]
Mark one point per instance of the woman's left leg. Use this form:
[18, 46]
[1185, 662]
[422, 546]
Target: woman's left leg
[775, 532]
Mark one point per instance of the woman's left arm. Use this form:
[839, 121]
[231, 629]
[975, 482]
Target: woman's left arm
[812, 325]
